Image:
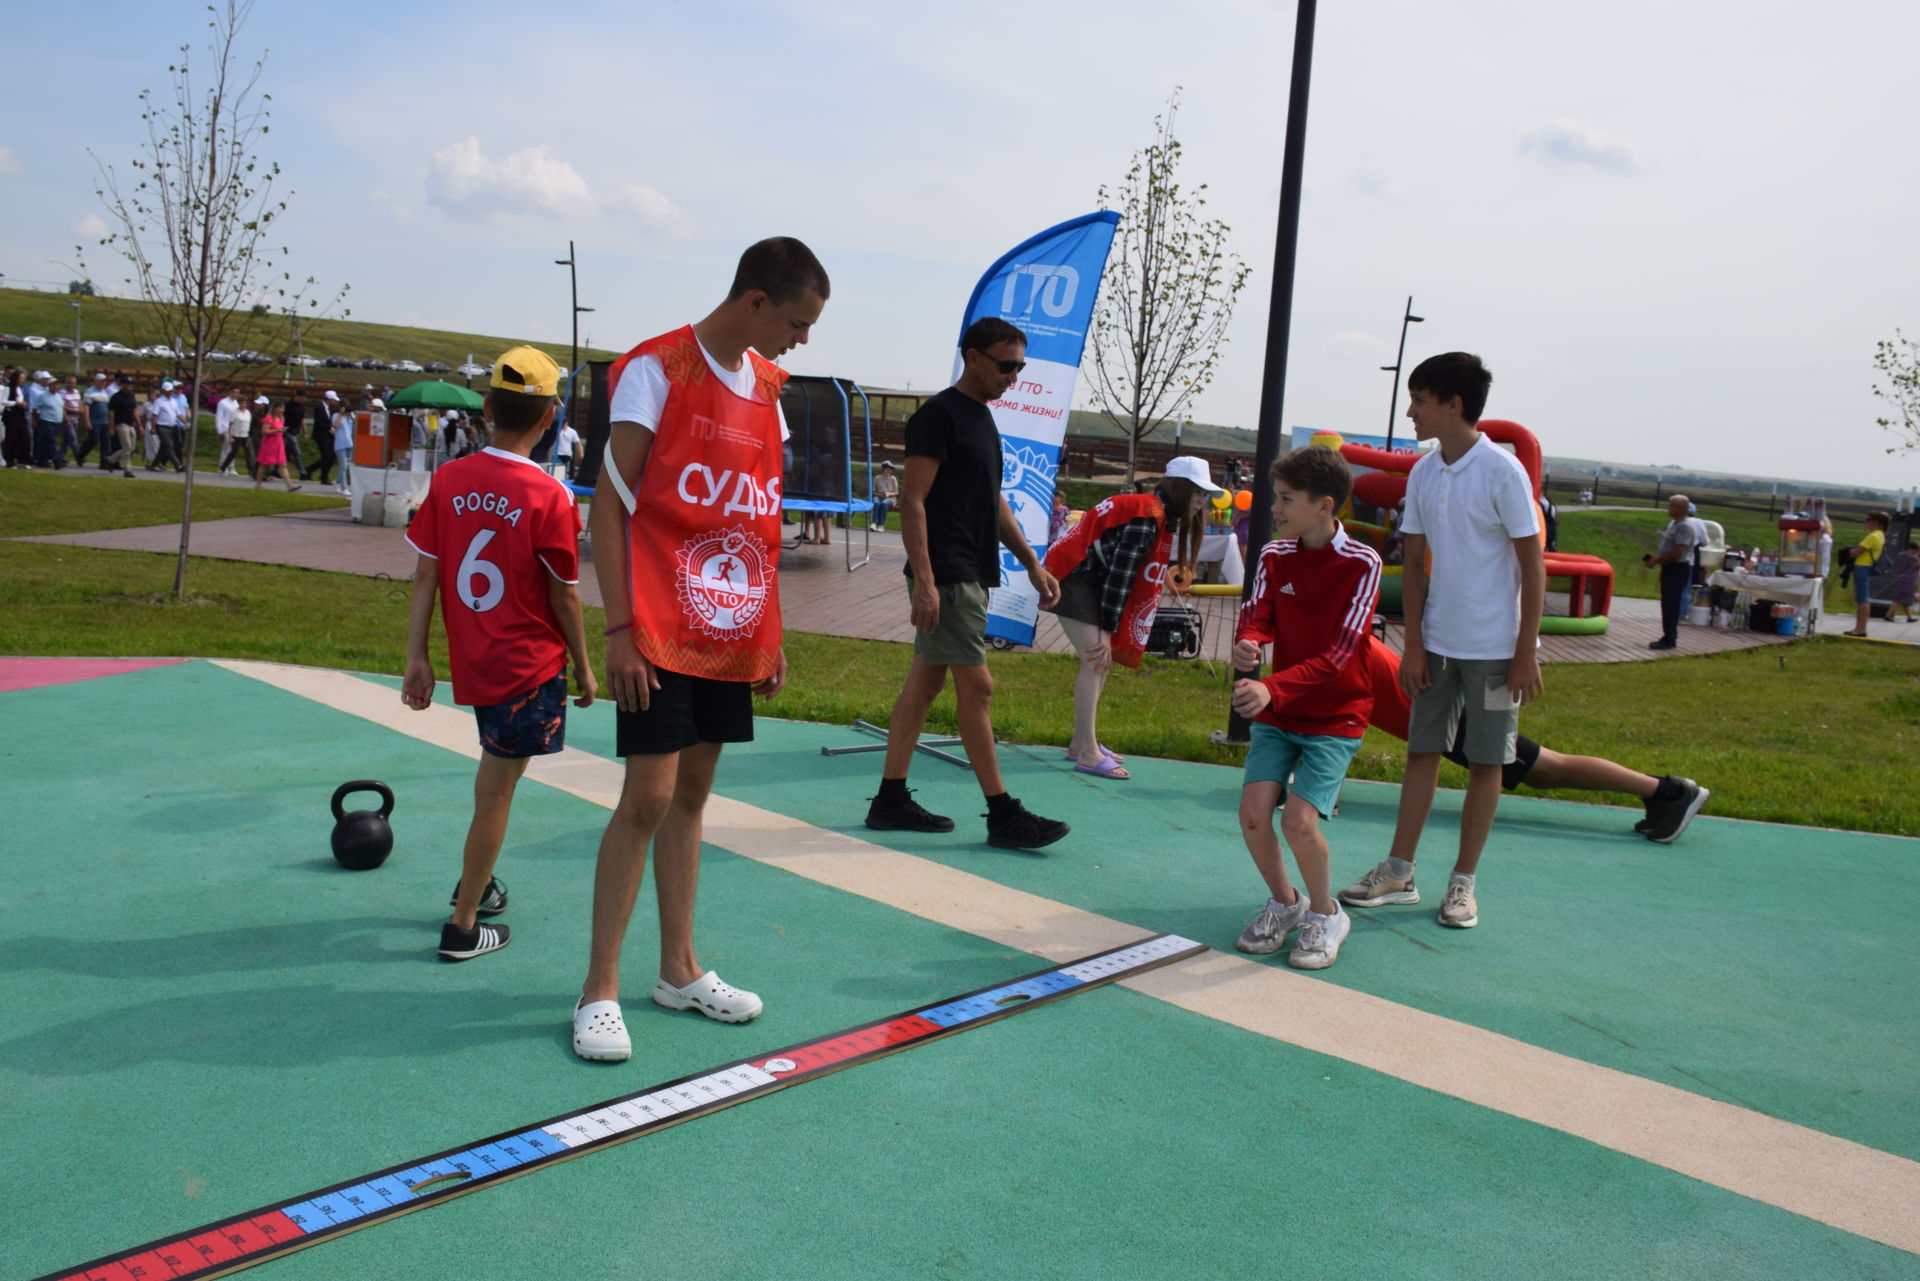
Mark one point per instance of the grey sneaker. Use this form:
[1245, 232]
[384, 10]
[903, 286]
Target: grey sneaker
[1267, 931]
[1667, 819]
[1380, 886]
[1457, 907]
[1320, 940]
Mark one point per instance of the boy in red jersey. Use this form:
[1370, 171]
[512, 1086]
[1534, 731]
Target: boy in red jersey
[1313, 597]
[686, 535]
[512, 617]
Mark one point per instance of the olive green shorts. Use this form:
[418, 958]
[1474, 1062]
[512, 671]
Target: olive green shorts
[960, 638]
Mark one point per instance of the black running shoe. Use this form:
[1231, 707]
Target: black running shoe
[1017, 828]
[907, 816]
[492, 903]
[1667, 819]
[463, 945]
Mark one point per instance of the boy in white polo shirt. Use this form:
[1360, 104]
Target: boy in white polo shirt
[1472, 624]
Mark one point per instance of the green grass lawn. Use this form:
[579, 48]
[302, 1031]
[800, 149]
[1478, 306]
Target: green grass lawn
[1814, 732]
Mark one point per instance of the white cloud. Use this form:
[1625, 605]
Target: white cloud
[93, 227]
[1353, 341]
[1370, 178]
[9, 163]
[646, 204]
[1576, 142]
[467, 183]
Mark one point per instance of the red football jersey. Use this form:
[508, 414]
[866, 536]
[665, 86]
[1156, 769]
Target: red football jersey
[503, 529]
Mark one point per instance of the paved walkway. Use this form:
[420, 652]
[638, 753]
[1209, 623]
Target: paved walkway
[820, 595]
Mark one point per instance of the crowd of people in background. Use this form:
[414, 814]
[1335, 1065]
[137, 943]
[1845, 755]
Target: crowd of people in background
[50, 423]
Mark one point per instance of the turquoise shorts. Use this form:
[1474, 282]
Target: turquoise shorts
[1311, 766]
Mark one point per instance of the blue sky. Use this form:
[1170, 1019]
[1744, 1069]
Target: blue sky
[1674, 232]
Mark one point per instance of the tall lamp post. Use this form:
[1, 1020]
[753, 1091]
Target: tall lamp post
[1393, 401]
[573, 278]
[75, 304]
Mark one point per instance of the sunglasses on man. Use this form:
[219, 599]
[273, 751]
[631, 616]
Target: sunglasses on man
[1005, 366]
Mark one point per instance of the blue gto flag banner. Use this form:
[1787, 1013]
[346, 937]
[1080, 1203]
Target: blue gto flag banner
[1046, 286]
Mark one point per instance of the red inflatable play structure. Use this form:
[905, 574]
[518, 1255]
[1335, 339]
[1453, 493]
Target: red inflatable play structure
[1589, 578]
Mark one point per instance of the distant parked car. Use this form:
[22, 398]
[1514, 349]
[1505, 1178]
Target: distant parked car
[60, 344]
[472, 370]
[338, 362]
[407, 367]
[248, 356]
[91, 347]
[221, 357]
[370, 362]
[111, 348]
[439, 367]
[13, 342]
[159, 351]
[35, 342]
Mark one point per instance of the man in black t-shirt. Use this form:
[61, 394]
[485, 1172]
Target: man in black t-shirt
[953, 519]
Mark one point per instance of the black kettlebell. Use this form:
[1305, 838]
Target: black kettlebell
[362, 840]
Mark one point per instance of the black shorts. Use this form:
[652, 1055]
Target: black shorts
[1514, 772]
[529, 724]
[685, 710]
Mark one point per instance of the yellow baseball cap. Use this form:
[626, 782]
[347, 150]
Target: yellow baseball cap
[527, 370]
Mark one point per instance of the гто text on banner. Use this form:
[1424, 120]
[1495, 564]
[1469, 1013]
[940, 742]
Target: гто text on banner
[1046, 286]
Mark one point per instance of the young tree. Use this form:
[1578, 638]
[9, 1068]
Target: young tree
[1169, 293]
[1898, 361]
[191, 218]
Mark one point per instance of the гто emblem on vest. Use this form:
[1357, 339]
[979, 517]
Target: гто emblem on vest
[724, 579]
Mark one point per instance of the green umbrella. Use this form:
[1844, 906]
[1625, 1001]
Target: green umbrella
[435, 395]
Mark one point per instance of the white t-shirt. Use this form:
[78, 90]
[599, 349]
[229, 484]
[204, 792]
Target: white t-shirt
[1471, 512]
[240, 424]
[641, 398]
[223, 415]
[564, 443]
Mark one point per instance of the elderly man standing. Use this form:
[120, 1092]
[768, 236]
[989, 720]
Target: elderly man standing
[1679, 552]
[49, 413]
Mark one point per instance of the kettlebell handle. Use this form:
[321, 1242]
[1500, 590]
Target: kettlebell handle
[363, 785]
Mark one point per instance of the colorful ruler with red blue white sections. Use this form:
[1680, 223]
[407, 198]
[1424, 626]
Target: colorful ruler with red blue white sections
[296, 1223]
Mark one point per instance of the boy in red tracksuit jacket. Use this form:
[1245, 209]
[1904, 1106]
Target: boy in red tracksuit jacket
[1313, 597]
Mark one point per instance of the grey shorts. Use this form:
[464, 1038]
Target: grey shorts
[960, 639]
[1474, 689]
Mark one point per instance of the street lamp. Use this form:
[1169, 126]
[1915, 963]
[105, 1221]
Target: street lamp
[75, 304]
[573, 278]
[1393, 402]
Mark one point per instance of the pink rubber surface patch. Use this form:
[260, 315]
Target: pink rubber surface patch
[32, 673]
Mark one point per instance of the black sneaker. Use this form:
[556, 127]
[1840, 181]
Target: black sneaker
[1667, 819]
[906, 816]
[457, 944]
[1017, 828]
[492, 903]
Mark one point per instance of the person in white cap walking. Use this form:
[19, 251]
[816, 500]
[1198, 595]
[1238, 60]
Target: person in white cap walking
[323, 414]
[239, 437]
[1111, 566]
[165, 413]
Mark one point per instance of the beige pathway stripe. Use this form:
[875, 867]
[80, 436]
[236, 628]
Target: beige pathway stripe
[1834, 1181]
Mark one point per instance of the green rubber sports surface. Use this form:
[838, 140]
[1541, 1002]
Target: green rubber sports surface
[202, 1014]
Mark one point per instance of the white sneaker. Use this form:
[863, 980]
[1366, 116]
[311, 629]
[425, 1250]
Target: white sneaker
[1380, 886]
[1320, 940]
[1457, 906]
[599, 1033]
[708, 994]
[1268, 931]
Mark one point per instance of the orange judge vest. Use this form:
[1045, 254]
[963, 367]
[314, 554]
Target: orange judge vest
[703, 542]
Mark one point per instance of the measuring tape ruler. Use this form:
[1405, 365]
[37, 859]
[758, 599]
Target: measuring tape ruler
[294, 1224]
